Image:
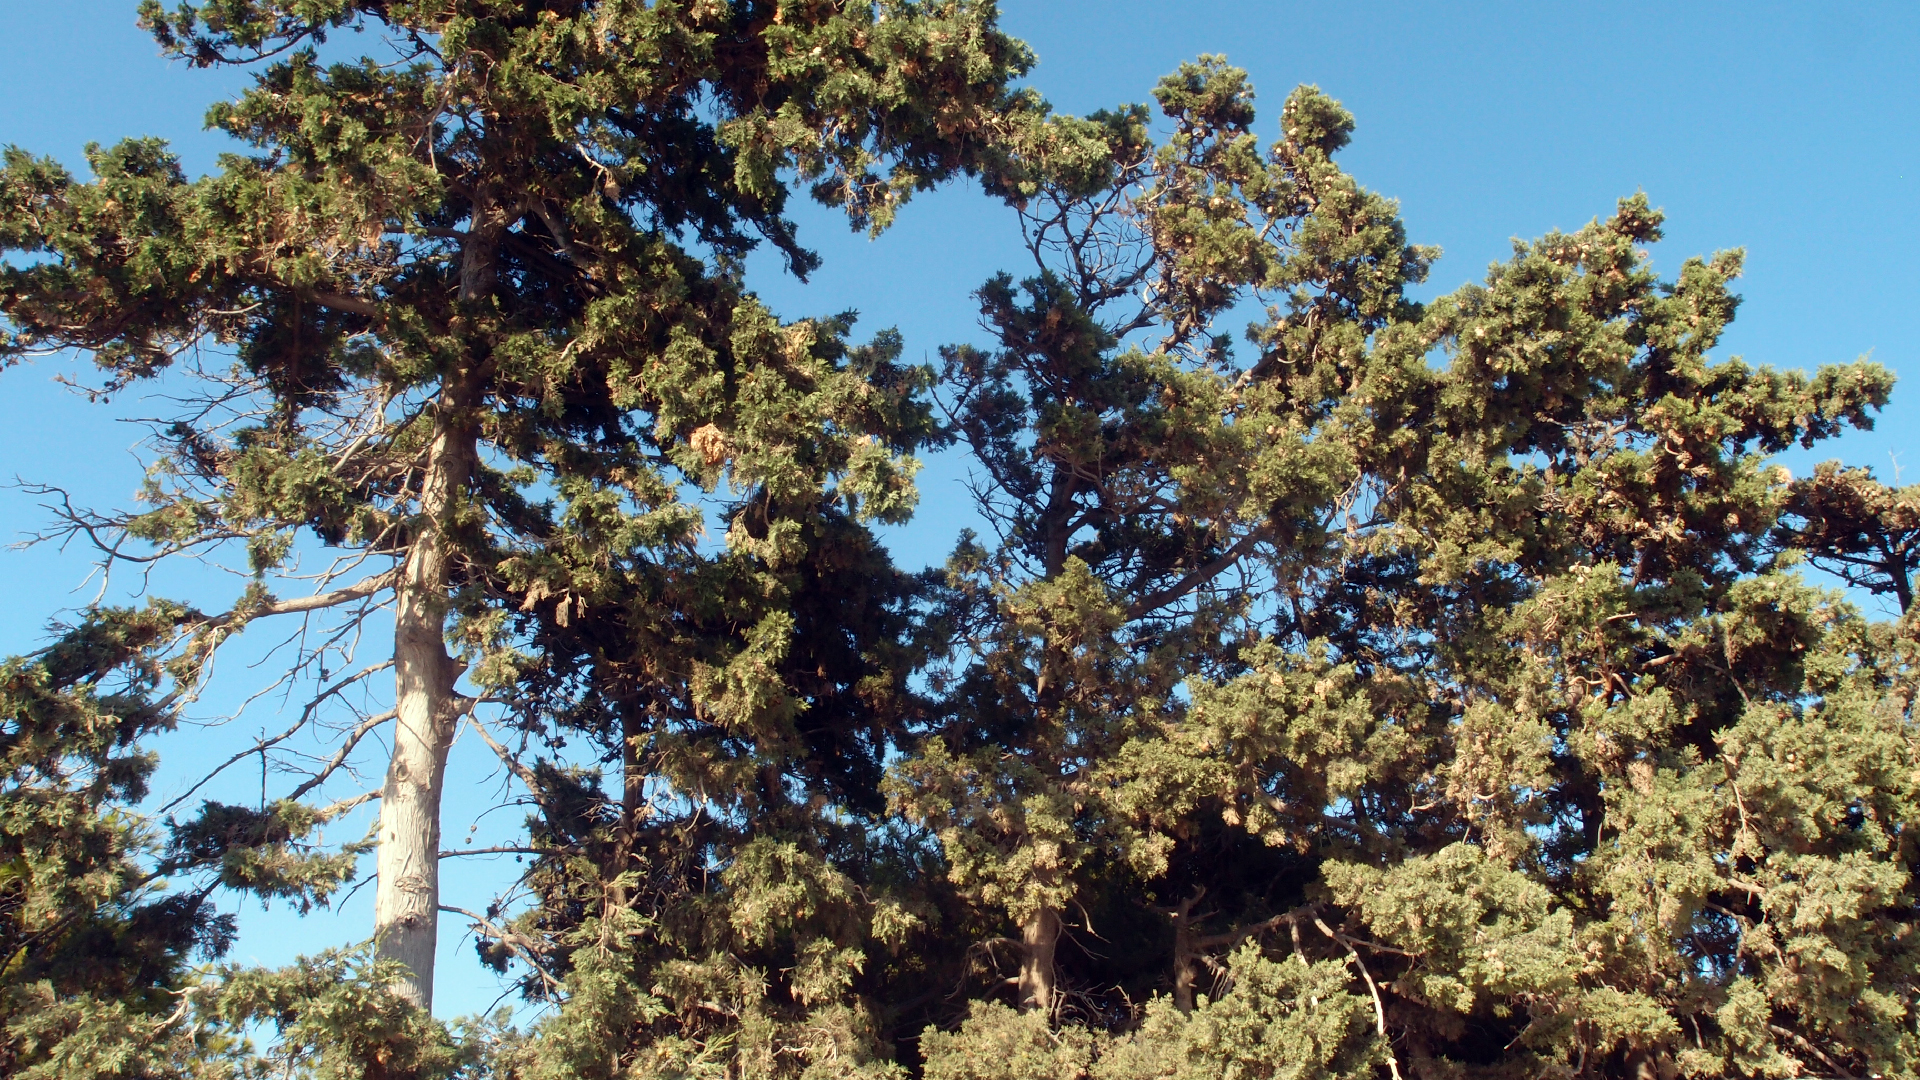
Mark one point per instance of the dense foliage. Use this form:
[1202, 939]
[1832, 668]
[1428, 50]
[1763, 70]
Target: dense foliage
[1399, 688]
[471, 320]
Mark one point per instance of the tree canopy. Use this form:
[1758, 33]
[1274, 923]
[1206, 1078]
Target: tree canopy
[1339, 684]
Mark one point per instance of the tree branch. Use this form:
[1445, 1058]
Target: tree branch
[1195, 578]
[504, 849]
[520, 945]
[352, 305]
[1801, 1042]
[359, 590]
[520, 771]
[339, 757]
[264, 745]
[1379, 1008]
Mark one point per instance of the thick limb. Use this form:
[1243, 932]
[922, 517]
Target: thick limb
[1039, 938]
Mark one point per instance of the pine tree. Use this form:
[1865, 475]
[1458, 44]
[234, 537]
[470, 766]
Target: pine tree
[710, 893]
[466, 310]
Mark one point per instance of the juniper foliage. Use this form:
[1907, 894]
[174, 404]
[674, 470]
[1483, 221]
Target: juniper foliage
[1461, 649]
[1397, 688]
[468, 320]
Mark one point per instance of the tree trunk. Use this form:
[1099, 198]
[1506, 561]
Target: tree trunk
[406, 907]
[1040, 935]
[1186, 952]
[632, 787]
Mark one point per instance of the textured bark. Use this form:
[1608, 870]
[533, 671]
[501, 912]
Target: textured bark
[1040, 936]
[406, 909]
[632, 787]
[1186, 953]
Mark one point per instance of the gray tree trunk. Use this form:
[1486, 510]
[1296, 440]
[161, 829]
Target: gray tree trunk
[406, 907]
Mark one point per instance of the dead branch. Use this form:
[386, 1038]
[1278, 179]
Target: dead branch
[339, 757]
[359, 590]
[513, 764]
[328, 813]
[520, 945]
[1379, 1008]
[504, 849]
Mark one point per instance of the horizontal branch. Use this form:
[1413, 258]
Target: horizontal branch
[352, 305]
[504, 849]
[359, 590]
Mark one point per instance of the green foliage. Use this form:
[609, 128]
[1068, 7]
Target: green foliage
[334, 1018]
[1459, 643]
[1288, 1019]
[102, 909]
[1433, 692]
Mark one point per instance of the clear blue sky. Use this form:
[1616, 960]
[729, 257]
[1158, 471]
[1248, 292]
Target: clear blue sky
[1788, 130]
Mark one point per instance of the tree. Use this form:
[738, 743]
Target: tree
[1434, 692]
[461, 310]
[101, 912]
[1489, 682]
[1138, 482]
[94, 947]
[709, 892]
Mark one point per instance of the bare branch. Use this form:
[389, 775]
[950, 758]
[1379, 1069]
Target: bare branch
[359, 590]
[1379, 1009]
[340, 756]
[513, 764]
[522, 946]
[1195, 578]
[264, 745]
[504, 849]
[352, 305]
[334, 810]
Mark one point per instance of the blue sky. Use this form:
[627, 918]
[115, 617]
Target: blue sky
[1787, 130]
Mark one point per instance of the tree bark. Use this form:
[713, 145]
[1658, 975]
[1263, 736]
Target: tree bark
[632, 787]
[1041, 936]
[406, 909]
[1186, 954]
